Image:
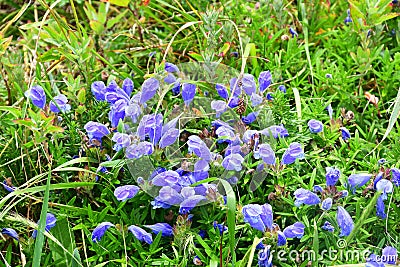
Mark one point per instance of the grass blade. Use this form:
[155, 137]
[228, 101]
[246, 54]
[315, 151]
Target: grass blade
[37, 254]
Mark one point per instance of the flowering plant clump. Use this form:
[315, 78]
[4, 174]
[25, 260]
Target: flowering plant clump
[240, 133]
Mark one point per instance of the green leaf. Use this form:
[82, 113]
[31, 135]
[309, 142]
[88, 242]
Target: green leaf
[62, 232]
[393, 118]
[39, 241]
[96, 26]
[385, 17]
[119, 2]
[231, 203]
[364, 215]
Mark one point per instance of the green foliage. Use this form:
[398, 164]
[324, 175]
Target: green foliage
[66, 45]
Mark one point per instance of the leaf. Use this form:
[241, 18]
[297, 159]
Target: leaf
[385, 17]
[16, 112]
[39, 241]
[196, 56]
[392, 120]
[4, 44]
[231, 204]
[96, 26]
[118, 2]
[62, 232]
[25, 122]
[76, 261]
[361, 220]
[297, 100]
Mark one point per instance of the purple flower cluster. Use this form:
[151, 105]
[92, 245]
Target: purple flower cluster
[38, 97]
[247, 85]
[260, 217]
[138, 232]
[176, 189]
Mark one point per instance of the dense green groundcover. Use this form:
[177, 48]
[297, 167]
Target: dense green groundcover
[318, 188]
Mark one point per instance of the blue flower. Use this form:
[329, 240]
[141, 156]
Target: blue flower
[265, 257]
[294, 231]
[9, 188]
[293, 152]
[197, 261]
[250, 118]
[164, 228]
[248, 84]
[169, 67]
[343, 193]
[188, 92]
[233, 102]
[149, 89]
[358, 180]
[256, 99]
[220, 226]
[222, 91]
[282, 88]
[136, 151]
[395, 176]
[96, 130]
[50, 223]
[166, 178]
[348, 19]
[98, 89]
[384, 186]
[225, 134]
[389, 255]
[198, 147]
[260, 217]
[114, 93]
[328, 227]
[62, 102]
[293, 32]
[37, 96]
[234, 87]
[141, 234]
[266, 153]
[122, 140]
[307, 197]
[10, 232]
[317, 188]
[233, 162]
[189, 203]
[380, 208]
[327, 204]
[168, 138]
[276, 131]
[219, 106]
[381, 161]
[117, 112]
[127, 86]
[269, 96]
[260, 246]
[345, 133]
[281, 239]
[100, 230]
[264, 80]
[330, 111]
[332, 175]
[315, 126]
[126, 192]
[328, 76]
[170, 79]
[344, 221]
